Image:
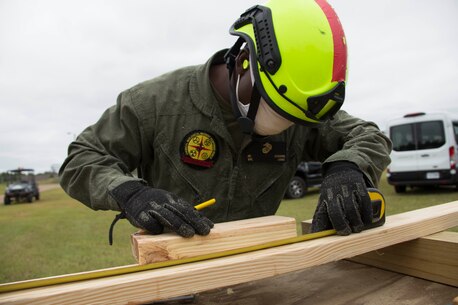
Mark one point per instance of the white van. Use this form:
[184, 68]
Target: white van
[425, 150]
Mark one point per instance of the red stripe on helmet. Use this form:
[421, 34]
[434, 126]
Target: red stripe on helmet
[338, 36]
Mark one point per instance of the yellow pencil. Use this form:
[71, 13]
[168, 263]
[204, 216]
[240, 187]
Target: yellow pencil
[205, 204]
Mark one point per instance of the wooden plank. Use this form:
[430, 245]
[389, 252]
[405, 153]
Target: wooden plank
[351, 283]
[224, 236]
[306, 225]
[147, 286]
[433, 258]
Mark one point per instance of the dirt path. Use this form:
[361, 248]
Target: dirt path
[47, 187]
[42, 188]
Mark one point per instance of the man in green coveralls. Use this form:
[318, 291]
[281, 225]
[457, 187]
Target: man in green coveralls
[235, 129]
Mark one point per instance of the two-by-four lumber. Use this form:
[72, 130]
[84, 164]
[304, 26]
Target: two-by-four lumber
[433, 257]
[148, 286]
[224, 236]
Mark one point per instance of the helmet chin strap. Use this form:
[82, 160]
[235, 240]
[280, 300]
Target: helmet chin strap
[246, 122]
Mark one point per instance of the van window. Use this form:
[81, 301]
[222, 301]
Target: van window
[416, 136]
[402, 137]
[430, 134]
[455, 131]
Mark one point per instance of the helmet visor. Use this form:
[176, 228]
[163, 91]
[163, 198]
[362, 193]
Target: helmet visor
[319, 107]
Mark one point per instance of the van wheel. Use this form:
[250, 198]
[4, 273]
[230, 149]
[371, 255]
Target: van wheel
[400, 188]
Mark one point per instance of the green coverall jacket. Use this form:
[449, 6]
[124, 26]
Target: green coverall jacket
[171, 132]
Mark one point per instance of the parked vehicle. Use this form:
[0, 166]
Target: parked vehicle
[424, 152]
[308, 175]
[21, 186]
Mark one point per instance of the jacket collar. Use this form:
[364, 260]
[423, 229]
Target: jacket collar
[204, 99]
[200, 89]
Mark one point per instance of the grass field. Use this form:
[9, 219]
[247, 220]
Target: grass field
[58, 235]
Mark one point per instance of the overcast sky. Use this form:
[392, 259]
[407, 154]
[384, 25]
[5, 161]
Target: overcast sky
[62, 63]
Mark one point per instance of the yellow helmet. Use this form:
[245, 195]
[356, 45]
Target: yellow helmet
[301, 57]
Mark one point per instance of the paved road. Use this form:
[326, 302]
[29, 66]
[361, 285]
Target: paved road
[43, 188]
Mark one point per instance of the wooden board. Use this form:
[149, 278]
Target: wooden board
[351, 283]
[224, 236]
[147, 286]
[433, 257]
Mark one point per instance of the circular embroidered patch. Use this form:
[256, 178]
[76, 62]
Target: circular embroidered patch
[199, 148]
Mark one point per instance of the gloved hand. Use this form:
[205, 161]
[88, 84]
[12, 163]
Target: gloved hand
[153, 209]
[344, 202]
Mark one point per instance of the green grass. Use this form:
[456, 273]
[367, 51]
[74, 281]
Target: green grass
[50, 180]
[58, 235]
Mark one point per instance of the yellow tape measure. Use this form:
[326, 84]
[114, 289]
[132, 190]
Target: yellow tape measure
[375, 195]
[70, 278]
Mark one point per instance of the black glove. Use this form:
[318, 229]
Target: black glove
[344, 202]
[153, 209]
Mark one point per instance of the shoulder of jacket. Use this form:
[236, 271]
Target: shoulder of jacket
[158, 92]
[174, 79]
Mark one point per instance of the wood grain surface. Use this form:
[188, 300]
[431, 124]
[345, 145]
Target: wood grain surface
[224, 236]
[148, 286]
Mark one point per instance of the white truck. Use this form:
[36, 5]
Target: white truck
[425, 150]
